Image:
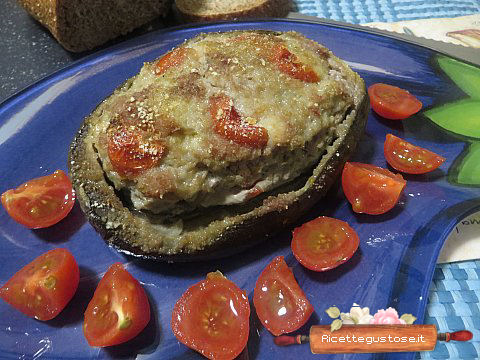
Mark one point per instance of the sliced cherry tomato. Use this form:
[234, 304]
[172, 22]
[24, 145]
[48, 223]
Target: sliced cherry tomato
[44, 287]
[324, 243]
[281, 305]
[408, 158]
[371, 189]
[288, 64]
[130, 154]
[118, 311]
[393, 103]
[40, 202]
[229, 124]
[173, 58]
[212, 317]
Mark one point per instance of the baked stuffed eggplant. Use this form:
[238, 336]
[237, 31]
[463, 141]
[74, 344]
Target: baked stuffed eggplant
[220, 143]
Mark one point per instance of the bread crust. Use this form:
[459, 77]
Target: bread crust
[83, 25]
[267, 8]
[133, 233]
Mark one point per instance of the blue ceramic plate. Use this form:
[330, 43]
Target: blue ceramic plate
[398, 250]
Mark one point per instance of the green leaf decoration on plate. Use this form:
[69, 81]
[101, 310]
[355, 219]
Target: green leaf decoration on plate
[408, 318]
[336, 325]
[460, 117]
[468, 170]
[333, 312]
[466, 76]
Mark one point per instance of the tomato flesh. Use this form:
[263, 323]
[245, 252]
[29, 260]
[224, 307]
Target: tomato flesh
[408, 158]
[288, 64]
[212, 317]
[171, 59]
[229, 124]
[119, 309]
[371, 189]
[392, 102]
[42, 288]
[130, 154]
[324, 243]
[40, 202]
[280, 303]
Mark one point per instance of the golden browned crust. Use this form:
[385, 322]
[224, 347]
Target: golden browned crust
[267, 8]
[83, 25]
[220, 230]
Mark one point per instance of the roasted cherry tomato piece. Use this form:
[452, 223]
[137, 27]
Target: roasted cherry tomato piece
[171, 59]
[118, 311]
[44, 287]
[371, 189]
[130, 154]
[288, 64]
[393, 103]
[408, 158]
[281, 305]
[40, 202]
[324, 243]
[212, 317]
[229, 124]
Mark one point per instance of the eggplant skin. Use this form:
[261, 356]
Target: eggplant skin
[223, 230]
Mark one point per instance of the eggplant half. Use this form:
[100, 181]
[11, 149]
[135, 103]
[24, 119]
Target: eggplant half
[217, 145]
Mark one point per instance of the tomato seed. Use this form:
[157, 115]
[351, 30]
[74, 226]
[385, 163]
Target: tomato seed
[125, 323]
[50, 282]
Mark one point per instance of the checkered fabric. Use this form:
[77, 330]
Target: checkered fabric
[455, 291]
[453, 304]
[363, 11]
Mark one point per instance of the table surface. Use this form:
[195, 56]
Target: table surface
[28, 52]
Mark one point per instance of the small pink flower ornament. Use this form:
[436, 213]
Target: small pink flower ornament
[387, 317]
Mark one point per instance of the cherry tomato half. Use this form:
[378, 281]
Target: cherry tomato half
[40, 202]
[371, 189]
[281, 305]
[171, 59]
[393, 103]
[212, 317]
[118, 311]
[324, 243]
[230, 125]
[130, 154]
[44, 287]
[408, 158]
[288, 64]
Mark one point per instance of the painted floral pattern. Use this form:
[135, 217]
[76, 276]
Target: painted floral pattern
[462, 120]
[361, 316]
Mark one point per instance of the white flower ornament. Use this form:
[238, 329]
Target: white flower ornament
[357, 315]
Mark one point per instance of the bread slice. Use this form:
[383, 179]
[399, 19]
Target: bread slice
[308, 101]
[84, 25]
[211, 10]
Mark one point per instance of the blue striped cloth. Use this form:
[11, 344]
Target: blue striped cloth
[455, 291]
[363, 11]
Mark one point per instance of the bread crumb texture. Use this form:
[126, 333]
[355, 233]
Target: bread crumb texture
[195, 143]
[207, 158]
